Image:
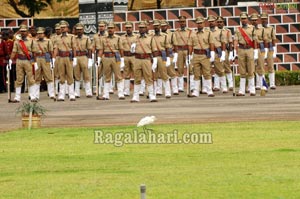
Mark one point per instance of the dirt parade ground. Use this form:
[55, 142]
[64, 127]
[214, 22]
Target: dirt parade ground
[281, 104]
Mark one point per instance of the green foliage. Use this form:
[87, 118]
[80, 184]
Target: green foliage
[33, 6]
[26, 107]
[286, 78]
[282, 78]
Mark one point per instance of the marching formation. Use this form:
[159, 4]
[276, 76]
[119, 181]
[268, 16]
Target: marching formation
[160, 61]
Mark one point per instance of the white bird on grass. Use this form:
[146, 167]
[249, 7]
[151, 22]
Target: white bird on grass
[146, 121]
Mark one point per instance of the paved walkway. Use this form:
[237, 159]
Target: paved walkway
[281, 104]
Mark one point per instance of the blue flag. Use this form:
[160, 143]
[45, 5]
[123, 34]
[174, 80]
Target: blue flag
[265, 83]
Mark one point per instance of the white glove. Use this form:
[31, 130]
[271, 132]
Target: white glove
[35, 66]
[154, 65]
[175, 57]
[53, 62]
[212, 56]
[222, 58]
[168, 62]
[122, 64]
[74, 62]
[188, 60]
[51, 66]
[255, 54]
[98, 61]
[266, 53]
[175, 66]
[230, 56]
[90, 63]
[132, 48]
[8, 67]
[275, 52]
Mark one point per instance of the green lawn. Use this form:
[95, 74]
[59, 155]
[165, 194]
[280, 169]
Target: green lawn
[246, 160]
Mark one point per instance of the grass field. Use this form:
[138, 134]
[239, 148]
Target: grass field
[246, 160]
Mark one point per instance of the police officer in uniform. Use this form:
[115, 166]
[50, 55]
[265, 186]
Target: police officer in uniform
[65, 49]
[270, 48]
[43, 58]
[83, 47]
[229, 50]
[113, 61]
[55, 65]
[259, 65]
[96, 45]
[219, 46]
[142, 67]
[182, 35]
[128, 39]
[171, 69]
[161, 43]
[245, 41]
[24, 49]
[202, 45]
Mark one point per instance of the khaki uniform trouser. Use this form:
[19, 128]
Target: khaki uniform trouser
[65, 69]
[259, 67]
[82, 66]
[201, 67]
[24, 67]
[143, 69]
[129, 66]
[171, 70]
[100, 70]
[161, 69]
[219, 67]
[226, 64]
[110, 65]
[43, 71]
[270, 62]
[246, 63]
[181, 62]
[56, 70]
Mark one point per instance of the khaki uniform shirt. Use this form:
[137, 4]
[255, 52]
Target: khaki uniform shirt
[202, 39]
[269, 34]
[161, 42]
[171, 38]
[127, 41]
[44, 46]
[260, 34]
[218, 37]
[182, 37]
[54, 39]
[83, 44]
[109, 44]
[144, 44]
[97, 40]
[227, 35]
[30, 45]
[249, 31]
[65, 42]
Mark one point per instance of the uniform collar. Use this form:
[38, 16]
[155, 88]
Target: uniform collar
[143, 36]
[213, 29]
[111, 36]
[64, 34]
[202, 30]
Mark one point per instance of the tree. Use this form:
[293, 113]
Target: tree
[33, 6]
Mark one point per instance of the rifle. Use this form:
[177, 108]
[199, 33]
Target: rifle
[188, 81]
[8, 84]
[97, 79]
[53, 77]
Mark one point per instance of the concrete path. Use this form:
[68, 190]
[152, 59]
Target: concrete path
[281, 104]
